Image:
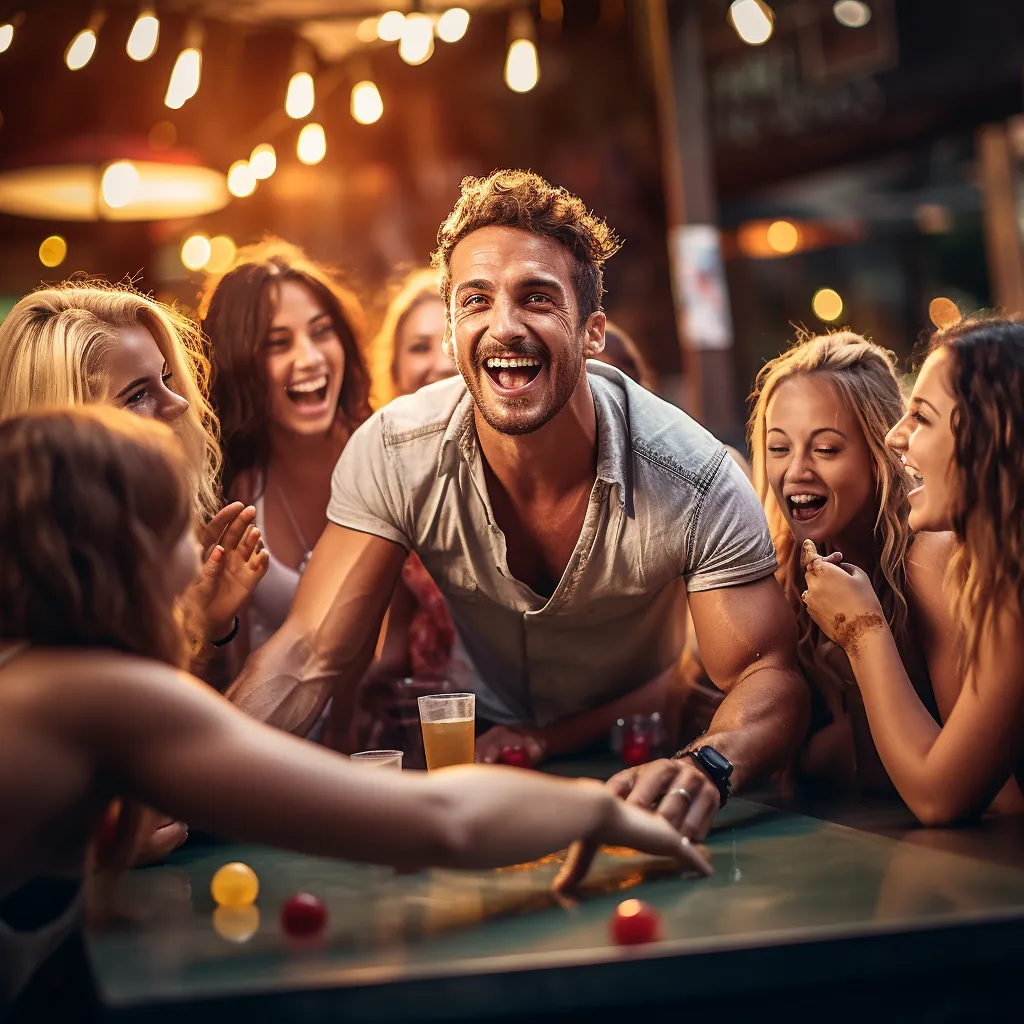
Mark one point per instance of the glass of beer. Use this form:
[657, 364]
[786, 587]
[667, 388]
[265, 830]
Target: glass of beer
[379, 758]
[447, 720]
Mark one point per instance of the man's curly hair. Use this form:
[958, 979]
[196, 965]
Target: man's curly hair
[524, 200]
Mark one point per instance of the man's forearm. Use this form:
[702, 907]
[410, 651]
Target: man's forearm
[760, 724]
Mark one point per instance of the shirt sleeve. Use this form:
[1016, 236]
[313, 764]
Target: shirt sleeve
[728, 542]
[365, 487]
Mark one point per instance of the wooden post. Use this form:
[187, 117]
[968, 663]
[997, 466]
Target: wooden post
[1002, 234]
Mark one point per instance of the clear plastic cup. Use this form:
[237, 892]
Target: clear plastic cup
[447, 721]
[379, 758]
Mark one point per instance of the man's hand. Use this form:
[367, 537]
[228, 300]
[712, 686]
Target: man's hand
[678, 790]
[490, 745]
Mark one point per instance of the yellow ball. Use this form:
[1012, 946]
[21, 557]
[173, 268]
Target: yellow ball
[235, 885]
[236, 924]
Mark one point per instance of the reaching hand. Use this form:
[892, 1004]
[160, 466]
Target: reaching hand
[678, 791]
[490, 745]
[235, 561]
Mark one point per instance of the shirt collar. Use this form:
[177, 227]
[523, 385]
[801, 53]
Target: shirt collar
[460, 437]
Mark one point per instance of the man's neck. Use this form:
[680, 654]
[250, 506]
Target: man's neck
[551, 461]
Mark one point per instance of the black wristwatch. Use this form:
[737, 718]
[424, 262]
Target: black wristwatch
[717, 767]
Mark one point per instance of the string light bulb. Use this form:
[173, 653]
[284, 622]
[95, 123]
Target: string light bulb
[390, 25]
[120, 184]
[301, 96]
[80, 49]
[241, 179]
[753, 21]
[417, 42]
[6, 36]
[452, 25]
[522, 68]
[263, 161]
[195, 252]
[367, 106]
[185, 78]
[312, 144]
[144, 37]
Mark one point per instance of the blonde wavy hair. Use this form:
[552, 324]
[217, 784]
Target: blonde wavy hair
[419, 285]
[53, 345]
[986, 375]
[862, 376]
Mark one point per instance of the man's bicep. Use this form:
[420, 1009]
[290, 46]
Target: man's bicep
[741, 628]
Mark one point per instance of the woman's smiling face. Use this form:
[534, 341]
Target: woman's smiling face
[818, 462]
[924, 439]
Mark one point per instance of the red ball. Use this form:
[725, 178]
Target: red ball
[303, 914]
[517, 757]
[636, 750]
[634, 922]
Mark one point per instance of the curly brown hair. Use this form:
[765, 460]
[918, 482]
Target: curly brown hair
[986, 372]
[237, 309]
[524, 200]
[91, 498]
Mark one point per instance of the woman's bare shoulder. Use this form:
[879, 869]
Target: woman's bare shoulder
[927, 562]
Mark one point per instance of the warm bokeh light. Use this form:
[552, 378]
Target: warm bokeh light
[827, 305]
[753, 21]
[629, 908]
[366, 30]
[417, 42]
[943, 312]
[162, 135]
[263, 161]
[301, 96]
[851, 13]
[522, 69]
[195, 252]
[6, 36]
[312, 144]
[185, 78]
[52, 251]
[783, 236]
[452, 25]
[222, 254]
[144, 37]
[80, 49]
[367, 106]
[241, 179]
[390, 25]
[120, 184]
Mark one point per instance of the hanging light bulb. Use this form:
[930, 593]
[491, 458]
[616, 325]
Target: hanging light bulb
[263, 161]
[390, 25]
[417, 42]
[753, 21]
[367, 106]
[301, 95]
[452, 25]
[522, 68]
[241, 179]
[195, 252]
[185, 77]
[312, 145]
[222, 254]
[120, 184]
[6, 36]
[80, 49]
[145, 35]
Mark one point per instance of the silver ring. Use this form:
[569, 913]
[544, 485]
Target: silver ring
[684, 794]
[685, 841]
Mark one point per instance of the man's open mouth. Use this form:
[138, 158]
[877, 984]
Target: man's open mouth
[308, 392]
[805, 507]
[513, 372]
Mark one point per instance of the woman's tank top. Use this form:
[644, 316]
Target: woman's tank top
[272, 599]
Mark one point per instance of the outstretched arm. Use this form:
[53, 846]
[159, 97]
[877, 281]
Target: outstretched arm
[328, 639]
[162, 737]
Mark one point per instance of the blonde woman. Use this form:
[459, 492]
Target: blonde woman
[90, 341]
[827, 479]
[962, 442]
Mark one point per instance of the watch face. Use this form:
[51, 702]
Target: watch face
[715, 761]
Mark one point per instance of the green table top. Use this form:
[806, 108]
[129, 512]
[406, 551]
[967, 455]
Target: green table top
[443, 944]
